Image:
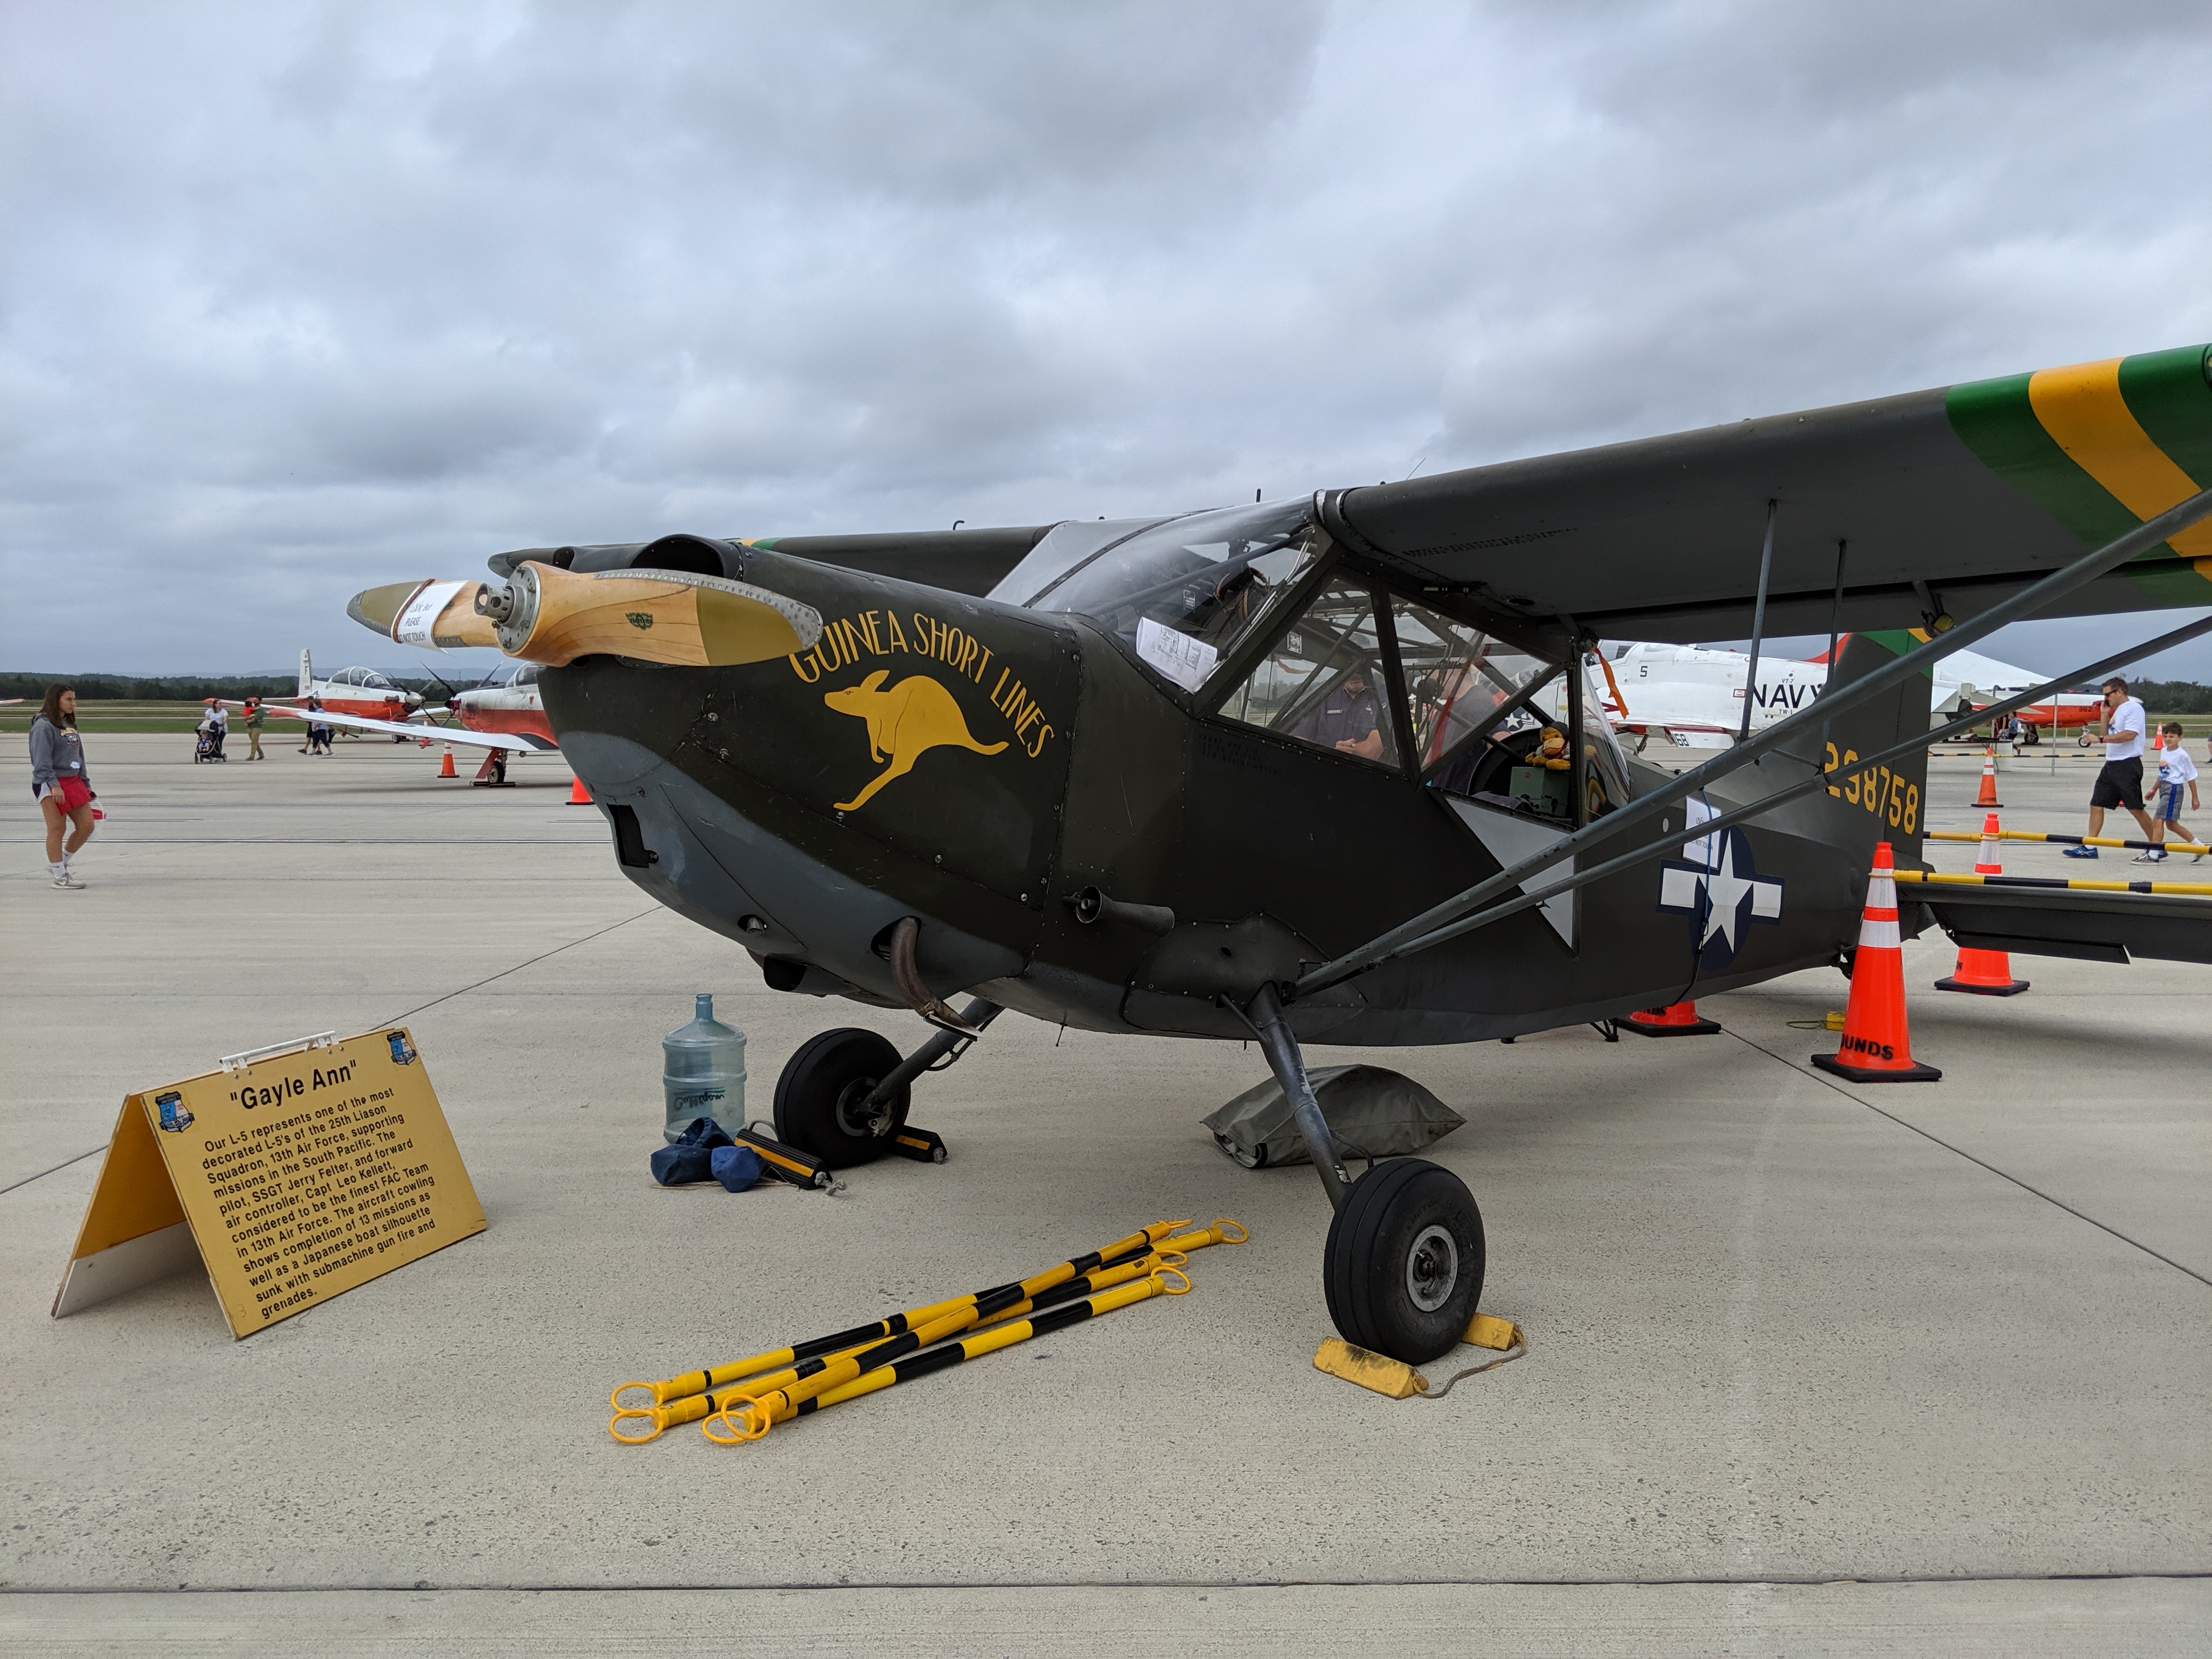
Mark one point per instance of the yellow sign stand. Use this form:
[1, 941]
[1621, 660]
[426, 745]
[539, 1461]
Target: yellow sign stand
[292, 1174]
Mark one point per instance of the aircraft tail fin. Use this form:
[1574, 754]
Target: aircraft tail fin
[1893, 799]
[307, 673]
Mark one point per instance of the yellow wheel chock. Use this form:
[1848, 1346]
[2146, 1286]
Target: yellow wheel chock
[1394, 1379]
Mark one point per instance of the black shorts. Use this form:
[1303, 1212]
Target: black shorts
[2119, 784]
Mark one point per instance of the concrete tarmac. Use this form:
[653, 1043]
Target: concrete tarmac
[1815, 1368]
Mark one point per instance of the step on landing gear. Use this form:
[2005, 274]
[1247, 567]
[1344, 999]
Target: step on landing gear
[1402, 1269]
[843, 1097]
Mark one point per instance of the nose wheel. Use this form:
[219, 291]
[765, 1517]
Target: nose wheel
[1403, 1266]
[823, 1104]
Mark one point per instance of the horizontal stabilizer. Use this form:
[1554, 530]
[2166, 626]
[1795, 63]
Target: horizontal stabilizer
[2054, 922]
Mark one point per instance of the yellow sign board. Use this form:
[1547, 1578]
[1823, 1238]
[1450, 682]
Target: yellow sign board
[292, 1179]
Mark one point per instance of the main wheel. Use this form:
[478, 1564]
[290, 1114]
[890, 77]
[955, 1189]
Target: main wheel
[820, 1099]
[1403, 1267]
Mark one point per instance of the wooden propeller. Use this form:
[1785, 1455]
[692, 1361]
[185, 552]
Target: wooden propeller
[550, 615]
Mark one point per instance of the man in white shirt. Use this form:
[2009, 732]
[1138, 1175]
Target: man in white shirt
[2119, 780]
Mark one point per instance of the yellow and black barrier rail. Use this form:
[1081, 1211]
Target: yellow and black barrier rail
[749, 1415]
[2175, 889]
[2072, 841]
[635, 1425]
[1159, 1282]
[643, 1411]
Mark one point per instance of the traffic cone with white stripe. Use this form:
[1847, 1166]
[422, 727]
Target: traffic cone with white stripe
[446, 766]
[1984, 973]
[1676, 1019]
[1875, 1048]
[1989, 795]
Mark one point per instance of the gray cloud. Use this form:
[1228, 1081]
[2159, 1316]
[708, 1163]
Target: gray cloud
[294, 299]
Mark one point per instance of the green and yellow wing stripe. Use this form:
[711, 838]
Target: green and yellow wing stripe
[2103, 446]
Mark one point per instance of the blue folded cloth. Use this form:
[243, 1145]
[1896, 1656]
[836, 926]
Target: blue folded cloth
[736, 1167]
[689, 1158]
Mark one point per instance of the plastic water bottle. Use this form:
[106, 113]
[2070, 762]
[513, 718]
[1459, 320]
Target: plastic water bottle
[702, 1073]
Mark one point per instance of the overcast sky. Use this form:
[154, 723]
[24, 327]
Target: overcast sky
[295, 299]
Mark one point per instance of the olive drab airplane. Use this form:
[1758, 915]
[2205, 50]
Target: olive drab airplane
[1271, 771]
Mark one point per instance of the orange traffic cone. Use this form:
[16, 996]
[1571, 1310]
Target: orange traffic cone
[1676, 1019]
[578, 795]
[446, 766]
[1985, 973]
[1989, 795]
[1875, 1048]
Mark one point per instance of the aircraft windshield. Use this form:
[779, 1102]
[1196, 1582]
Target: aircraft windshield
[1183, 592]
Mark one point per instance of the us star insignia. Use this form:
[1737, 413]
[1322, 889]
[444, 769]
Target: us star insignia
[1722, 896]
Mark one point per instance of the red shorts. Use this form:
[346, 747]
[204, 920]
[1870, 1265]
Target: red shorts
[73, 792]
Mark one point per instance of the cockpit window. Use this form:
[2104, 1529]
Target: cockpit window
[1322, 681]
[1456, 676]
[1184, 593]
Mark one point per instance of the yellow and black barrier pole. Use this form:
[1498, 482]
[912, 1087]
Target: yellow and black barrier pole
[688, 1397]
[777, 1408]
[634, 1425]
[2070, 840]
[2170, 889]
[747, 1409]
[714, 1377]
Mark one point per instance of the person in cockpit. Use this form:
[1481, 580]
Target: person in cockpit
[1347, 719]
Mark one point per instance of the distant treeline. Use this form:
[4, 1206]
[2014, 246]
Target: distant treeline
[2174, 696]
[2161, 697]
[182, 688]
[167, 688]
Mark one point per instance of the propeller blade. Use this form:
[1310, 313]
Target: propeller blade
[436, 616]
[549, 615]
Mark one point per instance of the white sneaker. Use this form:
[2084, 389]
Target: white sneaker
[64, 878]
[2151, 857]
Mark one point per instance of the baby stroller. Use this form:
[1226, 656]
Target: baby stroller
[208, 745]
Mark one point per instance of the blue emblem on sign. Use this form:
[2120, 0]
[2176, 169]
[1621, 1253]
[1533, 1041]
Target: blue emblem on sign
[403, 1051]
[1723, 895]
[176, 1116]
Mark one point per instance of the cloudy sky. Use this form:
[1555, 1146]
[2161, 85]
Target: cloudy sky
[296, 298]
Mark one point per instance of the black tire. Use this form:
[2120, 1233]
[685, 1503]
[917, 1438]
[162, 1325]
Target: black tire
[1403, 1267]
[821, 1086]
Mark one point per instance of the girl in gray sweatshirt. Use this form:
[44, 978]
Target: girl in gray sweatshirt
[59, 779]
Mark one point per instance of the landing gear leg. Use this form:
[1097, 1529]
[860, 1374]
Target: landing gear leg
[1402, 1270]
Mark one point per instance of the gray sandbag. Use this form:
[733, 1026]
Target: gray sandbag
[1383, 1114]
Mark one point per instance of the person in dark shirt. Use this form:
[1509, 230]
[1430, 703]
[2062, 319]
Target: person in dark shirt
[1347, 719]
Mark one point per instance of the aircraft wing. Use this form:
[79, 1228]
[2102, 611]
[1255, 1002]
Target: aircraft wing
[422, 729]
[2051, 922]
[1974, 490]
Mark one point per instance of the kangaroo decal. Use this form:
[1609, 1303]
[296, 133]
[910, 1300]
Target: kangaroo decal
[913, 716]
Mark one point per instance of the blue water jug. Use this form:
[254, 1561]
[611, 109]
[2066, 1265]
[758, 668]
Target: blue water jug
[702, 1073]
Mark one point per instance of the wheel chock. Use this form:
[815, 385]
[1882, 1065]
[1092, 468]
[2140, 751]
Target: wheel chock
[922, 1146]
[1392, 1378]
[788, 1163]
[1395, 1380]
[1489, 1331]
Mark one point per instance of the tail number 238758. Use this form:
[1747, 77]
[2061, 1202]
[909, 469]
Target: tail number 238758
[1877, 789]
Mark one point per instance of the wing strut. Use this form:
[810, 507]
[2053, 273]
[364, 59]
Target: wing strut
[1783, 797]
[1457, 915]
[1758, 621]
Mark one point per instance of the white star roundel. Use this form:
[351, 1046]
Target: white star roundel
[1722, 896]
